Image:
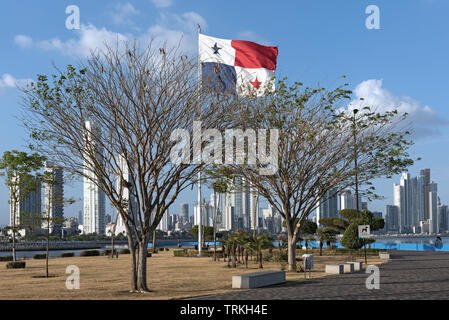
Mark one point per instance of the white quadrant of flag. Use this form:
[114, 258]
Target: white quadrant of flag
[237, 66]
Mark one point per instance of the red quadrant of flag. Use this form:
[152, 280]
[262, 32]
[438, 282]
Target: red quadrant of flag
[254, 56]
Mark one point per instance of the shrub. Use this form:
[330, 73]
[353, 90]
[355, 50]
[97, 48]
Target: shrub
[40, 256]
[67, 254]
[180, 253]
[15, 265]
[107, 252]
[167, 249]
[6, 258]
[125, 251]
[90, 253]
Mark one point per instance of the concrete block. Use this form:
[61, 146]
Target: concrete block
[384, 255]
[348, 267]
[334, 268]
[358, 266]
[258, 279]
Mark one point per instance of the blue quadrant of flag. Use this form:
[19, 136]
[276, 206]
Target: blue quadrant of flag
[219, 77]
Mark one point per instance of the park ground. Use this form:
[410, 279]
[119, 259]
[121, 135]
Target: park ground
[169, 277]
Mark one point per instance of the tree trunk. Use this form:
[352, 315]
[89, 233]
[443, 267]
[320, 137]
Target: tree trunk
[154, 242]
[112, 244]
[133, 252]
[46, 254]
[291, 252]
[142, 267]
[14, 233]
[234, 264]
[260, 259]
[246, 258]
[215, 224]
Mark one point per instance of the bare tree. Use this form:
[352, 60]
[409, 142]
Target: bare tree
[315, 150]
[126, 103]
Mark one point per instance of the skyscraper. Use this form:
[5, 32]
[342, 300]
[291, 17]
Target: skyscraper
[443, 218]
[27, 212]
[124, 181]
[94, 198]
[328, 206]
[54, 197]
[392, 219]
[184, 212]
[433, 208]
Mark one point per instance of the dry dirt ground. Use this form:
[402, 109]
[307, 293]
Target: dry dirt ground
[103, 278]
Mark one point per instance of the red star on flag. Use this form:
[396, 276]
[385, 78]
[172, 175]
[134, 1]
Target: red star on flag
[256, 84]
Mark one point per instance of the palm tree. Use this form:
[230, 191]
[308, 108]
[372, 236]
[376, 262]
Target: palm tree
[262, 241]
[232, 243]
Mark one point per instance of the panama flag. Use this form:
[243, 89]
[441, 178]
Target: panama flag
[236, 66]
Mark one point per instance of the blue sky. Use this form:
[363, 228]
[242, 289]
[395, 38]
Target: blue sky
[405, 63]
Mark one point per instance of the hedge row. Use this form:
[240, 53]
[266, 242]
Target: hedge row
[90, 253]
[67, 254]
[40, 256]
[15, 265]
[6, 258]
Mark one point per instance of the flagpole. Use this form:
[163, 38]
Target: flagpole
[200, 207]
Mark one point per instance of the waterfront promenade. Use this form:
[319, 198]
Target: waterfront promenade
[408, 275]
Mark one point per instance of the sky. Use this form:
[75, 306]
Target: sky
[404, 63]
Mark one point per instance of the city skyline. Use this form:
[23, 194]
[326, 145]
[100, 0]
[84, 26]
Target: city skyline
[381, 75]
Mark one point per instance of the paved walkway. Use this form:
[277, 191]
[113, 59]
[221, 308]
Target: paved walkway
[408, 275]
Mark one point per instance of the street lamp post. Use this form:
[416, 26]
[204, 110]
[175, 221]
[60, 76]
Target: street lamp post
[355, 111]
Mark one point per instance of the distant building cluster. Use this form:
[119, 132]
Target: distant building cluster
[417, 207]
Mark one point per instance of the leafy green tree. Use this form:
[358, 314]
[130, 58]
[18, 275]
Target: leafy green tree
[263, 241]
[327, 235]
[20, 171]
[309, 134]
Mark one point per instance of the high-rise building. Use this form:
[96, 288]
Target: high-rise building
[125, 189]
[54, 198]
[184, 212]
[27, 213]
[328, 206]
[426, 181]
[392, 219]
[80, 217]
[443, 218]
[94, 197]
[433, 208]
[347, 200]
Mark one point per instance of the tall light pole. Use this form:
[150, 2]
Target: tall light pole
[200, 207]
[355, 111]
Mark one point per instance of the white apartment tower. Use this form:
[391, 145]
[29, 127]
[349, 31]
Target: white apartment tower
[94, 198]
[54, 197]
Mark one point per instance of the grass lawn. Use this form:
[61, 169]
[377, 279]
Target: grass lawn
[168, 277]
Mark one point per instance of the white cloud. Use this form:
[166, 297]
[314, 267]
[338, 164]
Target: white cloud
[122, 12]
[172, 29]
[162, 3]
[90, 38]
[8, 81]
[424, 120]
[23, 41]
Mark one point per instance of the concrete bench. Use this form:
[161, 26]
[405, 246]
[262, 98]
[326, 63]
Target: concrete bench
[258, 279]
[348, 267]
[358, 266]
[384, 255]
[334, 268]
